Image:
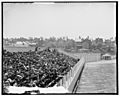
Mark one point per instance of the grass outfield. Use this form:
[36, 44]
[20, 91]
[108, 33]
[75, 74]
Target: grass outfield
[18, 49]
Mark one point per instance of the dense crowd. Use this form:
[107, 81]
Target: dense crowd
[35, 68]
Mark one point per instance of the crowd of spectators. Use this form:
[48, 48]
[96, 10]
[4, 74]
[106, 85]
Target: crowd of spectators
[35, 68]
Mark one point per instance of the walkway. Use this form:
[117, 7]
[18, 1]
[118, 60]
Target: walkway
[98, 77]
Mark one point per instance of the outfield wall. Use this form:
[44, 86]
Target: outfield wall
[89, 57]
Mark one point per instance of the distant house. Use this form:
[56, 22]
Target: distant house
[21, 44]
[30, 43]
[85, 45]
[78, 45]
[93, 42]
[96, 51]
[98, 40]
[108, 42]
[107, 56]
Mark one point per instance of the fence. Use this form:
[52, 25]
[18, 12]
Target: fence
[69, 81]
[89, 57]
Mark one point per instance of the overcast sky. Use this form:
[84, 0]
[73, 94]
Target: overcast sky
[48, 20]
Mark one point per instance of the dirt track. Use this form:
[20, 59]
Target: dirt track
[98, 77]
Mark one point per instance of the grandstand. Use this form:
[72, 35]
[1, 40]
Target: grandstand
[41, 69]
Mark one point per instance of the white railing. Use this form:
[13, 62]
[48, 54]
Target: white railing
[68, 81]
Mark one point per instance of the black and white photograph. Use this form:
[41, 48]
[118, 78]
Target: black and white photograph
[59, 47]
